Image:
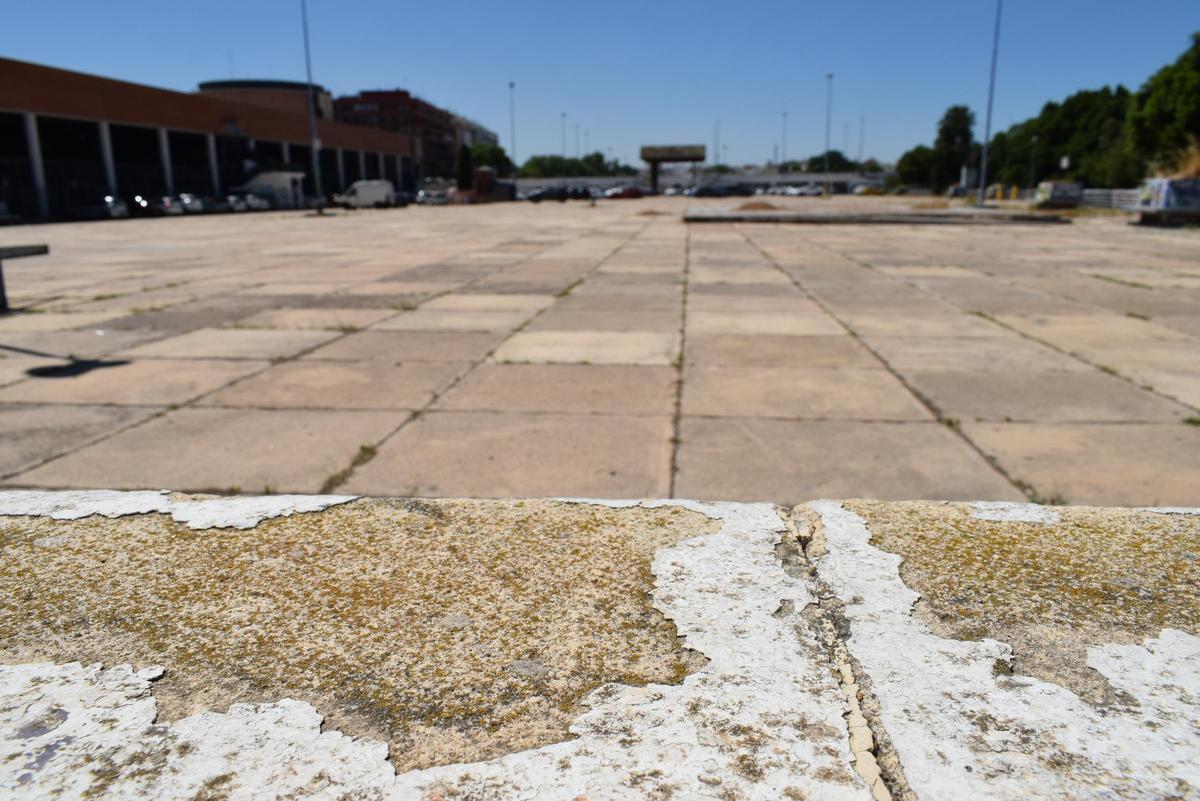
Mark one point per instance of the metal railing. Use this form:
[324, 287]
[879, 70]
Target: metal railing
[1110, 198]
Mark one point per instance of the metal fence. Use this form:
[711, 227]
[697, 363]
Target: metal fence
[1110, 198]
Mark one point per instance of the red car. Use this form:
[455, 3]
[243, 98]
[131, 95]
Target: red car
[624, 192]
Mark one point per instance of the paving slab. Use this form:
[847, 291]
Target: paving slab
[224, 449]
[499, 320]
[33, 434]
[231, 343]
[568, 388]
[492, 454]
[1113, 464]
[88, 344]
[557, 319]
[50, 321]
[796, 392]
[144, 382]
[590, 347]
[409, 346]
[1042, 397]
[340, 385]
[469, 302]
[971, 353]
[767, 350]
[329, 319]
[791, 460]
[709, 322]
[927, 325]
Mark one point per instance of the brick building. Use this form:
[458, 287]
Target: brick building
[431, 128]
[68, 139]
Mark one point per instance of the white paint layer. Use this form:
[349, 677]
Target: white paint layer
[233, 512]
[1014, 512]
[765, 715]
[75, 732]
[963, 732]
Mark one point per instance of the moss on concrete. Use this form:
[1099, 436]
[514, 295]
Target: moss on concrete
[454, 630]
[1048, 590]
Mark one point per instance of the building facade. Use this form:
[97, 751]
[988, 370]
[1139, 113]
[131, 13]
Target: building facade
[436, 133]
[68, 139]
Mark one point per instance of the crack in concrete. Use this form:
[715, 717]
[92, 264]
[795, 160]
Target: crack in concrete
[875, 758]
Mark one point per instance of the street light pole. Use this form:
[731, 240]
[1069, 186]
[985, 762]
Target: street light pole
[512, 122]
[314, 142]
[987, 125]
[828, 123]
[783, 149]
[862, 132]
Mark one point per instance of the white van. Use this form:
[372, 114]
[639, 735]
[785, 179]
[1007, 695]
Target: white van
[364, 194]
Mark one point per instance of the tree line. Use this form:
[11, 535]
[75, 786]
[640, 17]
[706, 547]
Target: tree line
[489, 155]
[1110, 137]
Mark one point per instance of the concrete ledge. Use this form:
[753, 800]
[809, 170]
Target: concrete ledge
[705, 215]
[154, 645]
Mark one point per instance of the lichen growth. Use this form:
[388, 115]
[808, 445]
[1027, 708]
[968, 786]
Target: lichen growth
[397, 620]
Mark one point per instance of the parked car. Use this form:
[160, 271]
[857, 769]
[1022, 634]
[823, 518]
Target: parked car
[622, 192]
[110, 208]
[559, 193]
[249, 200]
[192, 204]
[711, 190]
[164, 206]
[364, 194]
[432, 197]
[580, 192]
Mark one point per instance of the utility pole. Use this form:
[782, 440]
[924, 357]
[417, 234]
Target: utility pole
[862, 132]
[576, 140]
[512, 123]
[717, 144]
[783, 149]
[828, 123]
[564, 146]
[314, 142]
[987, 125]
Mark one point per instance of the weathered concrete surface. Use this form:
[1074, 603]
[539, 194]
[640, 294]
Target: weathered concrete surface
[162, 646]
[1061, 360]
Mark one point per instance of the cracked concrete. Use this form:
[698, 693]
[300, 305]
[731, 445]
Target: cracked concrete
[740, 650]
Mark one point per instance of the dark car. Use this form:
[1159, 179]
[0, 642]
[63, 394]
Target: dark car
[106, 208]
[625, 192]
[559, 193]
[711, 190]
[579, 193]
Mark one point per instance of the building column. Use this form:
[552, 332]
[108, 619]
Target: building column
[382, 171]
[164, 152]
[211, 141]
[35, 161]
[287, 152]
[362, 164]
[341, 170]
[106, 154]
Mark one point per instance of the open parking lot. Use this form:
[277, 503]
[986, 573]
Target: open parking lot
[610, 351]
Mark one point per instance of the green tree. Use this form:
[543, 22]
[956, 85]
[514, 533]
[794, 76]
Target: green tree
[1164, 115]
[837, 162]
[485, 154]
[464, 168]
[953, 148]
[916, 166]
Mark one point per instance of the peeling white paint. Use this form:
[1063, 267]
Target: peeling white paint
[75, 732]
[764, 715]
[763, 681]
[231, 512]
[1009, 511]
[963, 732]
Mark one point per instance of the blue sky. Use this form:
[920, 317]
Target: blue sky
[651, 72]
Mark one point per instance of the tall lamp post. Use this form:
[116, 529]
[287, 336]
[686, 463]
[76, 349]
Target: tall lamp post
[512, 123]
[987, 125]
[315, 143]
[828, 123]
[783, 149]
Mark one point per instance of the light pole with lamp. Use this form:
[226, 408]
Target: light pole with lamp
[828, 123]
[783, 149]
[314, 142]
[512, 124]
[987, 125]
